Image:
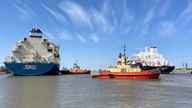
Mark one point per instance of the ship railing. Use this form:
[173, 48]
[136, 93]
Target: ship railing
[95, 72]
[12, 61]
[9, 59]
[157, 70]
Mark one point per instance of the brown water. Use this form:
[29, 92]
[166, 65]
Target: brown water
[80, 91]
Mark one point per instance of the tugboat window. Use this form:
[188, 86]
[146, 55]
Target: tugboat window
[48, 44]
[25, 39]
[45, 40]
[50, 50]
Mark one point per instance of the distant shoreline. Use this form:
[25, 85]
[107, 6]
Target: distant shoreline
[187, 71]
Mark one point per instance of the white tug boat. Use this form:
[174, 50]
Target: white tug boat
[34, 56]
[151, 59]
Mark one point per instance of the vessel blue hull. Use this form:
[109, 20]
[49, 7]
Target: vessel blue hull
[33, 68]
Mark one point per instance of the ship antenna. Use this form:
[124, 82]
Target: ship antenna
[125, 59]
[124, 50]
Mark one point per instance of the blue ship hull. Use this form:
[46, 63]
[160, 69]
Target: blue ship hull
[33, 68]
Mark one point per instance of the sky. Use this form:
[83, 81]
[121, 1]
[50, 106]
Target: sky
[94, 31]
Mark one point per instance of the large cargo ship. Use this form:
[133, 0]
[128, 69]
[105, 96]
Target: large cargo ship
[151, 59]
[125, 70]
[34, 55]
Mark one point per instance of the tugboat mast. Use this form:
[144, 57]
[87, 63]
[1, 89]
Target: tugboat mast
[125, 58]
[124, 50]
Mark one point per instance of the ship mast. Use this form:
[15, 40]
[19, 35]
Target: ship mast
[125, 59]
[124, 50]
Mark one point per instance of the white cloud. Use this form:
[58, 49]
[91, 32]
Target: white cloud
[107, 19]
[95, 38]
[158, 8]
[186, 15]
[81, 38]
[149, 16]
[144, 29]
[64, 35]
[177, 27]
[122, 18]
[166, 29]
[163, 7]
[57, 15]
[187, 11]
[49, 35]
[25, 11]
[100, 20]
[22, 10]
[112, 18]
[144, 25]
[127, 17]
[76, 13]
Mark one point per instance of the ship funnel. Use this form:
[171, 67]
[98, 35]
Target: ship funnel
[153, 50]
[35, 33]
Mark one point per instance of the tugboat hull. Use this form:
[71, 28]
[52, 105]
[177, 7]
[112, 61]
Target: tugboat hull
[129, 75]
[75, 72]
[139, 77]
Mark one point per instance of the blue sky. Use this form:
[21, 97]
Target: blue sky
[94, 31]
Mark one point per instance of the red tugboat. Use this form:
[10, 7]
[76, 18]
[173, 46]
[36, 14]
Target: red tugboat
[124, 70]
[64, 70]
[75, 70]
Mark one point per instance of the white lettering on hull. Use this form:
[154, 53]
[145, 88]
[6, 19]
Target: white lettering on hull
[30, 67]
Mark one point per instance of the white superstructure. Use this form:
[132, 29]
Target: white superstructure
[151, 57]
[35, 49]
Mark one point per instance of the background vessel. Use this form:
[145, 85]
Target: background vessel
[151, 59]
